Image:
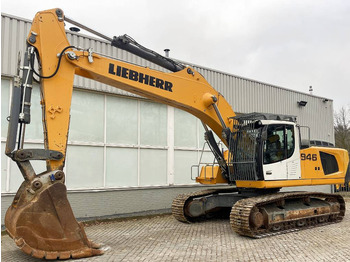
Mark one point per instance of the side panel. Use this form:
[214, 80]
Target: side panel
[276, 171]
[314, 170]
[323, 162]
[294, 169]
[286, 169]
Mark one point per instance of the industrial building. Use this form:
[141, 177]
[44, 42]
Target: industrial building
[126, 154]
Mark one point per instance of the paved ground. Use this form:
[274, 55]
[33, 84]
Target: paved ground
[163, 238]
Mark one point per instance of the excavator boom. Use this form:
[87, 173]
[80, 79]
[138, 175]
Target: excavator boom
[42, 197]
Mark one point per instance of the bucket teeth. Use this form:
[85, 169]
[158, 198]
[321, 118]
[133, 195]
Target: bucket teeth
[54, 255]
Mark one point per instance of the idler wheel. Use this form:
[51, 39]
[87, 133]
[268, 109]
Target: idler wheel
[256, 218]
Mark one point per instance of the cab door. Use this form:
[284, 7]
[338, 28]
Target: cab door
[280, 155]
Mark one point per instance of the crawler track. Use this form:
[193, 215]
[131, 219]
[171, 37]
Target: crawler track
[180, 202]
[271, 214]
[243, 210]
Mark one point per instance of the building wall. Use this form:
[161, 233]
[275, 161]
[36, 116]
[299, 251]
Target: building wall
[122, 146]
[114, 142]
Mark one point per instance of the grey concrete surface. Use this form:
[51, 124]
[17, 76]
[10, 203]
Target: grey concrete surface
[162, 238]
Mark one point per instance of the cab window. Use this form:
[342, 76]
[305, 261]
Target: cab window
[290, 140]
[279, 144]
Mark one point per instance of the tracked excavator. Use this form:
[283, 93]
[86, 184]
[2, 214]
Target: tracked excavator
[264, 151]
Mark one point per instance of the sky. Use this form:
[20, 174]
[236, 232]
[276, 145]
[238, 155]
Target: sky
[289, 43]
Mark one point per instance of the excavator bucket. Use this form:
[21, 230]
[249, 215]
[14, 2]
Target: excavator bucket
[42, 223]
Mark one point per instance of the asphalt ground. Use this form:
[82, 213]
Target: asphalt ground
[162, 238]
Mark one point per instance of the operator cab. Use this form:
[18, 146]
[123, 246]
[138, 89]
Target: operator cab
[265, 147]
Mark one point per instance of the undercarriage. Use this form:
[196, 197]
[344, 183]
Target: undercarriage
[259, 214]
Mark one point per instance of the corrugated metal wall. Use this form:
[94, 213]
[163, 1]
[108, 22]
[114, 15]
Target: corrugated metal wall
[245, 95]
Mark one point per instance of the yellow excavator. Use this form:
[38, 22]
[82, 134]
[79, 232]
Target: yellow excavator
[264, 151]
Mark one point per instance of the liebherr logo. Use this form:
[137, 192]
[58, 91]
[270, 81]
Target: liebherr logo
[140, 77]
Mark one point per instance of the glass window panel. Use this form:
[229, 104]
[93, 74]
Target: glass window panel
[185, 129]
[4, 159]
[87, 121]
[153, 123]
[201, 135]
[121, 120]
[290, 140]
[202, 140]
[184, 160]
[35, 129]
[5, 112]
[153, 167]
[84, 167]
[121, 169]
[207, 157]
[16, 177]
[274, 145]
[38, 165]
